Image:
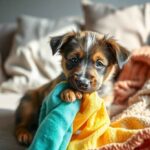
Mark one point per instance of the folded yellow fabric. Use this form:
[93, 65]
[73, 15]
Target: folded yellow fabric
[92, 127]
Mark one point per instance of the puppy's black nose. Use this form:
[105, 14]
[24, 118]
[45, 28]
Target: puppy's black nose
[83, 83]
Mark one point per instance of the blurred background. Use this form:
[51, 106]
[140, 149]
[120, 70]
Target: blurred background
[53, 9]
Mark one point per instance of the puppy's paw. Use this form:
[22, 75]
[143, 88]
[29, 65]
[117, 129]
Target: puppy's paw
[78, 95]
[69, 95]
[24, 136]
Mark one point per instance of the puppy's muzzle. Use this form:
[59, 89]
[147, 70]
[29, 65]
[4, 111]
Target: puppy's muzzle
[83, 83]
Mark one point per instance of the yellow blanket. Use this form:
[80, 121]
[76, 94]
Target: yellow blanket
[92, 127]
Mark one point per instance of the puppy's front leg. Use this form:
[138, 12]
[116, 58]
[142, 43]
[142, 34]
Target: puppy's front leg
[70, 95]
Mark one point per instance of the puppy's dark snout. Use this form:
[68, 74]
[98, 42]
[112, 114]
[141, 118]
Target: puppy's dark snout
[83, 83]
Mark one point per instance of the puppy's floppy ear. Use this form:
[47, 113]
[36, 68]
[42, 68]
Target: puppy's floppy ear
[58, 41]
[121, 53]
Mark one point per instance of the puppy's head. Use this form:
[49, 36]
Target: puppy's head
[88, 58]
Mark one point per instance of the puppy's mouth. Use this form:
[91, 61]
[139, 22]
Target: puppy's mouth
[85, 88]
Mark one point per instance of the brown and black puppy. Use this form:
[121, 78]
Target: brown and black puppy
[89, 60]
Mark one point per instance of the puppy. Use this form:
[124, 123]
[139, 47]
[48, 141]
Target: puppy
[89, 60]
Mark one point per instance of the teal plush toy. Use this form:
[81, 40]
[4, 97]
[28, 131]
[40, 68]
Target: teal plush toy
[55, 122]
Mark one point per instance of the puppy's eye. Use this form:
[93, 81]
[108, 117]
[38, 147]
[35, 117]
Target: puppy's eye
[99, 64]
[74, 60]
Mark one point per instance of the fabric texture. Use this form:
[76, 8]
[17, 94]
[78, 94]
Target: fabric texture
[134, 75]
[92, 127]
[90, 122]
[55, 122]
[139, 141]
[129, 25]
[133, 86]
[31, 62]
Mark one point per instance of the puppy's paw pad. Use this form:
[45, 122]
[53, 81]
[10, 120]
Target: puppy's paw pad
[24, 137]
[78, 95]
[68, 95]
